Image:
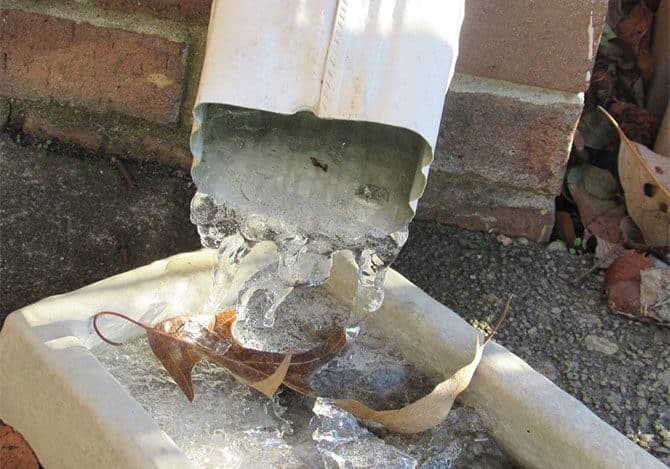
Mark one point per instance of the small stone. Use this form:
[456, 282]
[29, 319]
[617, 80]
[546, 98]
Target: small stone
[557, 246]
[647, 437]
[600, 344]
[555, 310]
[532, 331]
[492, 299]
[504, 240]
[523, 241]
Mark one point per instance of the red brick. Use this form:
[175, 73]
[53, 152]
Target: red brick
[477, 204]
[102, 69]
[196, 11]
[541, 43]
[84, 138]
[505, 140]
[127, 139]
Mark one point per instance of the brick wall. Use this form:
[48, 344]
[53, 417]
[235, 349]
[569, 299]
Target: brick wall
[120, 77]
[511, 112]
[112, 76]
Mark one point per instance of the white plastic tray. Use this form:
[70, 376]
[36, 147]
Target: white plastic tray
[75, 414]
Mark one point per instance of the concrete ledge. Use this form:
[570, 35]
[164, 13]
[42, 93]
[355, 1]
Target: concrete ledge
[76, 415]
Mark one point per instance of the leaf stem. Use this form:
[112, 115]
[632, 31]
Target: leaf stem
[96, 316]
[499, 322]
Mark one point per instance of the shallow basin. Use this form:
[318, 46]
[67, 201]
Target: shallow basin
[75, 414]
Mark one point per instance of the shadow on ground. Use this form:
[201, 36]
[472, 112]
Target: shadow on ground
[66, 221]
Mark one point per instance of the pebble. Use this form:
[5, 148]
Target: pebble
[664, 377]
[557, 246]
[600, 344]
[504, 240]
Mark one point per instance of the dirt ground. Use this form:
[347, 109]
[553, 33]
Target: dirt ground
[69, 220]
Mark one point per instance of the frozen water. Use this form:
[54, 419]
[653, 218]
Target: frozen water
[342, 442]
[228, 424]
[232, 425]
[309, 316]
[311, 186]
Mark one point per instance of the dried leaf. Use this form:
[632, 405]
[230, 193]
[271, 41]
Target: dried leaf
[606, 252]
[636, 122]
[268, 370]
[614, 13]
[590, 207]
[653, 4]
[178, 357]
[253, 365]
[430, 410]
[662, 145]
[658, 90]
[566, 227]
[655, 294]
[606, 226]
[622, 282]
[14, 450]
[593, 127]
[264, 371]
[645, 178]
[269, 385]
[425, 413]
[596, 182]
[632, 236]
[645, 61]
[635, 27]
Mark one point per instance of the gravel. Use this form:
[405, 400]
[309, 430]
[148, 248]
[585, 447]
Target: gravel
[618, 367]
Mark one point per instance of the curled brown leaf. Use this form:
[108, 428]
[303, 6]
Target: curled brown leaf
[266, 371]
[259, 369]
[14, 450]
[425, 413]
[432, 409]
[622, 282]
[646, 183]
